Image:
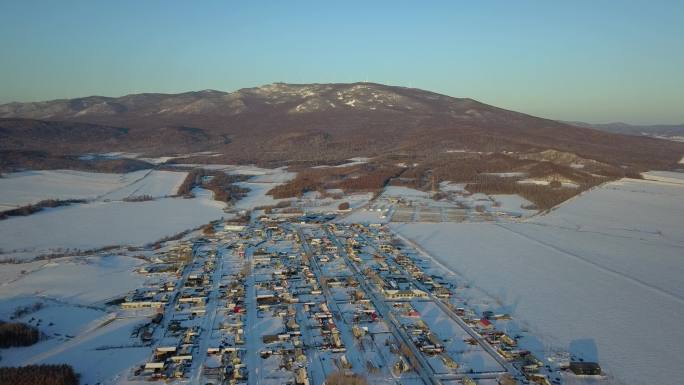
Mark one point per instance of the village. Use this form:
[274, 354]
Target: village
[297, 301]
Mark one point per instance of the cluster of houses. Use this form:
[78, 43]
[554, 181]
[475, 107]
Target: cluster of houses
[226, 354]
[384, 274]
[289, 303]
[310, 297]
[180, 297]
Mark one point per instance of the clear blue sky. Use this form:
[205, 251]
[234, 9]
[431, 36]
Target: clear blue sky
[592, 60]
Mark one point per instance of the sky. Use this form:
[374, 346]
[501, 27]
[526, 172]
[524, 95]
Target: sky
[596, 61]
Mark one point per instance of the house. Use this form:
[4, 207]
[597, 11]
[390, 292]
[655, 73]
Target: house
[585, 368]
[233, 227]
[404, 294]
[485, 324]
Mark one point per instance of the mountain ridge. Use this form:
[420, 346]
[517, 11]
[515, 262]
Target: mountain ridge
[323, 122]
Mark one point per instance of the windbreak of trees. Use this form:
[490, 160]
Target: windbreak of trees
[34, 208]
[191, 181]
[224, 187]
[366, 177]
[371, 181]
[312, 179]
[17, 334]
[38, 375]
[221, 184]
[544, 197]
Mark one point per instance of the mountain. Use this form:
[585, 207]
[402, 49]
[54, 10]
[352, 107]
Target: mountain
[664, 131]
[309, 123]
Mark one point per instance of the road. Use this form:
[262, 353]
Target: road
[345, 332]
[449, 312]
[423, 369]
[210, 316]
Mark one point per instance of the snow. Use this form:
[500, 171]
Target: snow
[542, 182]
[627, 208]
[22, 188]
[257, 195]
[665, 176]
[404, 192]
[71, 291]
[259, 174]
[88, 353]
[324, 205]
[506, 174]
[351, 162]
[450, 186]
[99, 224]
[12, 271]
[106, 220]
[154, 183]
[513, 204]
[84, 281]
[365, 216]
[600, 276]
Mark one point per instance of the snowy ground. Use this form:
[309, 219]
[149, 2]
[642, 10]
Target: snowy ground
[107, 220]
[154, 184]
[22, 188]
[351, 162]
[81, 280]
[98, 353]
[513, 204]
[100, 224]
[600, 276]
[26, 187]
[76, 329]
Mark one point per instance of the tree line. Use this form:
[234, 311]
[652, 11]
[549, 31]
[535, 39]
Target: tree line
[221, 184]
[366, 177]
[38, 375]
[36, 207]
[17, 334]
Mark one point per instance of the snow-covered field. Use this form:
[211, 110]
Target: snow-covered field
[601, 276]
[22, 188]
[81, 280]
[76, 332]
[107, 220]
[154, 184]
[513, 204]
[99, 224]
[665, 176]
[95, 353]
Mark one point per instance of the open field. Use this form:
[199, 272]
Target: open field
[28, 187]
[593, 276]
[99, 224]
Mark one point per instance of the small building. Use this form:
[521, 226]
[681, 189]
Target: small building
[484, 324]
[585, 368]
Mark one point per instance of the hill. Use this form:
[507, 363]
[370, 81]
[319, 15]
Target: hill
[309, 123]
[414, 137]
[663, 131]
